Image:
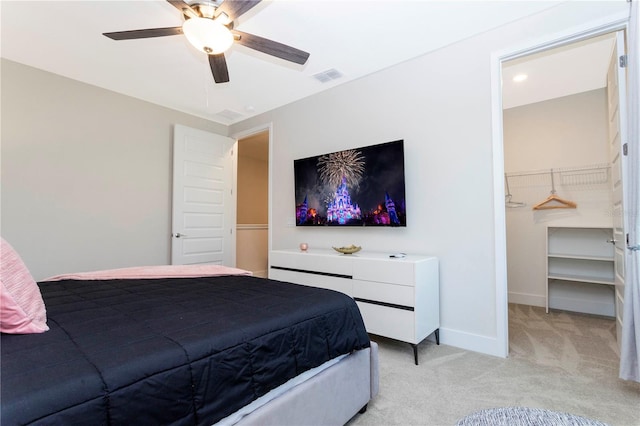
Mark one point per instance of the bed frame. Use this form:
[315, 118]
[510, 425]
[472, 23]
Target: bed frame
[332, 397]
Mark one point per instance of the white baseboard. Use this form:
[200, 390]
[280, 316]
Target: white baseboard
[527, 299]
[472, 342]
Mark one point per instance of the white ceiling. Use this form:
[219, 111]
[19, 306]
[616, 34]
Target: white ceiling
[563, 71]
[354, 37]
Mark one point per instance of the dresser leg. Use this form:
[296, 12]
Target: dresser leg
[437, 336]
[415, 353]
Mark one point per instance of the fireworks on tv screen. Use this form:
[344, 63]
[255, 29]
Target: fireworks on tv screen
[355, 187]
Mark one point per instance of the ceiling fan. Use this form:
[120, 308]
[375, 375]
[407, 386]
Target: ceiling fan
[208, 26]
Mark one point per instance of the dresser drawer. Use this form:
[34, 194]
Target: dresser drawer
[388, 322]
[381, 292]
[393, 271]
[329, 264]
[343, 285]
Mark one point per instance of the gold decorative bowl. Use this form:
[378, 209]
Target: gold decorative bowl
[348, 250]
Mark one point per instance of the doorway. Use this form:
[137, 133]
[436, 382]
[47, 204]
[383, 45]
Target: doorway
[252, 194]
[558, 144]
[498, 58]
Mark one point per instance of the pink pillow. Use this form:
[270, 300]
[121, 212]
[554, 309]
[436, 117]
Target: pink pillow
[22, 309]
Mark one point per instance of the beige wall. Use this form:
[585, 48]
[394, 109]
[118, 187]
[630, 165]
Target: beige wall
[253, 188]
[86, 173]
[568, 132]
[252, 251]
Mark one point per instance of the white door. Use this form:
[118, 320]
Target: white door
[616, 96]
[203, 206]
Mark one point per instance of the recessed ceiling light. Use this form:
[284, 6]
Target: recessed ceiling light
[520, 77]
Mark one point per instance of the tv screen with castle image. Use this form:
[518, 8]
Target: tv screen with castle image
[355, 187]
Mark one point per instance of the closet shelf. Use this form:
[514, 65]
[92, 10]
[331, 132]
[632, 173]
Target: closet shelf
[581, 279]
[580, 266]
[581, 257]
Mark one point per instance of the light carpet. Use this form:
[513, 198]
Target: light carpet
[559, 361]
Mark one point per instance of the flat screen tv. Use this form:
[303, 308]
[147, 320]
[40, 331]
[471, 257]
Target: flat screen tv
[355, 187]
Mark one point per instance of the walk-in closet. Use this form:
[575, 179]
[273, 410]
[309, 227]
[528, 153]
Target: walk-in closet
[559, 126]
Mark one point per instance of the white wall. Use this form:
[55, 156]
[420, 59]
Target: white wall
[440, 104]
[568, 132]
[86, 173]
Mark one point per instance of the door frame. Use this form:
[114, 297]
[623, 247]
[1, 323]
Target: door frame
[268, 127]
[572, 35]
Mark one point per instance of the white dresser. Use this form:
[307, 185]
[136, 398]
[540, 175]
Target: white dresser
[399, 298]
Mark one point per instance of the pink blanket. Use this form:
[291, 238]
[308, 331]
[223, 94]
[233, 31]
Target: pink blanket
[160, 271]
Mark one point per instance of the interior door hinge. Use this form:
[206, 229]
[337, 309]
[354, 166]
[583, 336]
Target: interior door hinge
[625, 149]
[623, 61]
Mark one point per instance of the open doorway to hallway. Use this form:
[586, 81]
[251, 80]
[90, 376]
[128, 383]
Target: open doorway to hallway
[252, 220]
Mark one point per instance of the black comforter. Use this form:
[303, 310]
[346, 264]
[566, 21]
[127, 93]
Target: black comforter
[169, 351]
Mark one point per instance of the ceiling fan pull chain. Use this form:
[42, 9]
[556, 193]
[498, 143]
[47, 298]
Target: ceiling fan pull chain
[205, 81]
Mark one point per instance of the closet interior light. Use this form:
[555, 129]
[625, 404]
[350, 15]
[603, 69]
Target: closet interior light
[520, 77]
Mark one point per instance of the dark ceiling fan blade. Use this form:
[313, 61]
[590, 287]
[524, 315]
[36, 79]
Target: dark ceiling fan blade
[151, 32]
[219, 68]
[184, 8]
[271, 47]
[235, 8]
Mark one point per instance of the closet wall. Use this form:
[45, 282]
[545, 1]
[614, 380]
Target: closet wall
[567, 133]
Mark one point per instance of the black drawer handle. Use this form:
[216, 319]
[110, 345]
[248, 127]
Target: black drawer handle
[388, 305]
[306, 271]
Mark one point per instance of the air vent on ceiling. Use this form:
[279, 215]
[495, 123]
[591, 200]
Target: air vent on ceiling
[228, 114]
[328, 75]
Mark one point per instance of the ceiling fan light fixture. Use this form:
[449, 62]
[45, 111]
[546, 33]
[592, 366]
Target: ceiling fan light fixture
[207, 35]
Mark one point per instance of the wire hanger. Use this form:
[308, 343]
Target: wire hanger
[553, 201]
[507, 197]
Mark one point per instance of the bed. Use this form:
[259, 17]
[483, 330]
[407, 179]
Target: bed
[221, 349]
